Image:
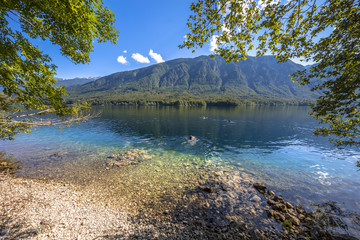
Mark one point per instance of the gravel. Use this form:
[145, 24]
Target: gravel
[39, 209]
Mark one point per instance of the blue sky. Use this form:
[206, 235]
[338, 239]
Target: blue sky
[159, 25]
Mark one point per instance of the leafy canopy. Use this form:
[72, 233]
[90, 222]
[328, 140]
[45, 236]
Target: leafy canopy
[26, 73]
[326, 32]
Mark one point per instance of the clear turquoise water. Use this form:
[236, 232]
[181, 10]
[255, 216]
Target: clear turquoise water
[274, 145]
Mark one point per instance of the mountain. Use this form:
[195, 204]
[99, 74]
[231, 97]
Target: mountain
[74, 81]
[70, 82]
[200, 78]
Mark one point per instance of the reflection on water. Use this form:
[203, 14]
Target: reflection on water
[274, 145]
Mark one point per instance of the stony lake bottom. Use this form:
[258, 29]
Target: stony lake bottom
[140, 158]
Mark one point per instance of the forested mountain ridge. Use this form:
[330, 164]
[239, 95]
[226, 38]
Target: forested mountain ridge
[261, 77]
[74, 81]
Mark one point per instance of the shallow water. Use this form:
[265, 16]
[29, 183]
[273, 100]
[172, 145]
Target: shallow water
[273, 145]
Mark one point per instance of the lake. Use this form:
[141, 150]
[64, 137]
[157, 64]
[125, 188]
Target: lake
[272, 145]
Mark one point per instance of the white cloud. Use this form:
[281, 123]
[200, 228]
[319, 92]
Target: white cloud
[213, 45]
[125, 51]
[122, 60]
[225, 29]
[140, 58]
[262, 4]
[157, 57]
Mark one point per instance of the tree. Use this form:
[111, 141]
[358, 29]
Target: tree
[326, 32]
[26, 73]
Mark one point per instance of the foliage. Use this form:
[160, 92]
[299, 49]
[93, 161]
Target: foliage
[199, 78]
[325, 32]
[185, 98]
[287, 224]
[26, 73]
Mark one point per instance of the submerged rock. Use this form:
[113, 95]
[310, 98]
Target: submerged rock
[131, 157]
[8, 164]
[255, 198]
[59, 153]
[260, 187]
[225, 206]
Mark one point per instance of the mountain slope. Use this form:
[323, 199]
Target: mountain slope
[74, 81]
[260, 77]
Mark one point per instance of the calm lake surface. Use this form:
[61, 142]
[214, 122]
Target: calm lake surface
[273, 145]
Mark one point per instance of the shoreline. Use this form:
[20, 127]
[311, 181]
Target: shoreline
[48, 209]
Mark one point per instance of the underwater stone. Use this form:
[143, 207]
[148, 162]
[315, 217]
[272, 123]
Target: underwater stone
[293, 219]
[206, 189]
[260, 187]
[271, 193]
[288, 205]
[278, 199]
[255, 198]
[279, 206]
[131, 157]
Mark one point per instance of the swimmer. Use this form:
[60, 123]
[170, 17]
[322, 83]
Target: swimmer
[192, 138]
[204, 117]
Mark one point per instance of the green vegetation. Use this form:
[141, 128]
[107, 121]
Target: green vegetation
[325, 32]
[186, 99]
[197, 82]
[75, 81]
[287, 224]
[26, 73]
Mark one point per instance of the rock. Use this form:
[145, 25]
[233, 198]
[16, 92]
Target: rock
[276, 205]
[279, 217]
[288, 205]
[206, 189]
[232, 195]
[131, 157]
[59, 153]
[301, 217]
[260, 187]
[293, 219]
[278, 199]
[300, 210]
[271, 202]
[270, 213]
[279, 206]
[201, 182]
[255, 198]
[292, 211]
[257, 235]
[271, 193]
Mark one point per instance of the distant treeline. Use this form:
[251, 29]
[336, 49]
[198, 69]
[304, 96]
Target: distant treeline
[199, 103]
